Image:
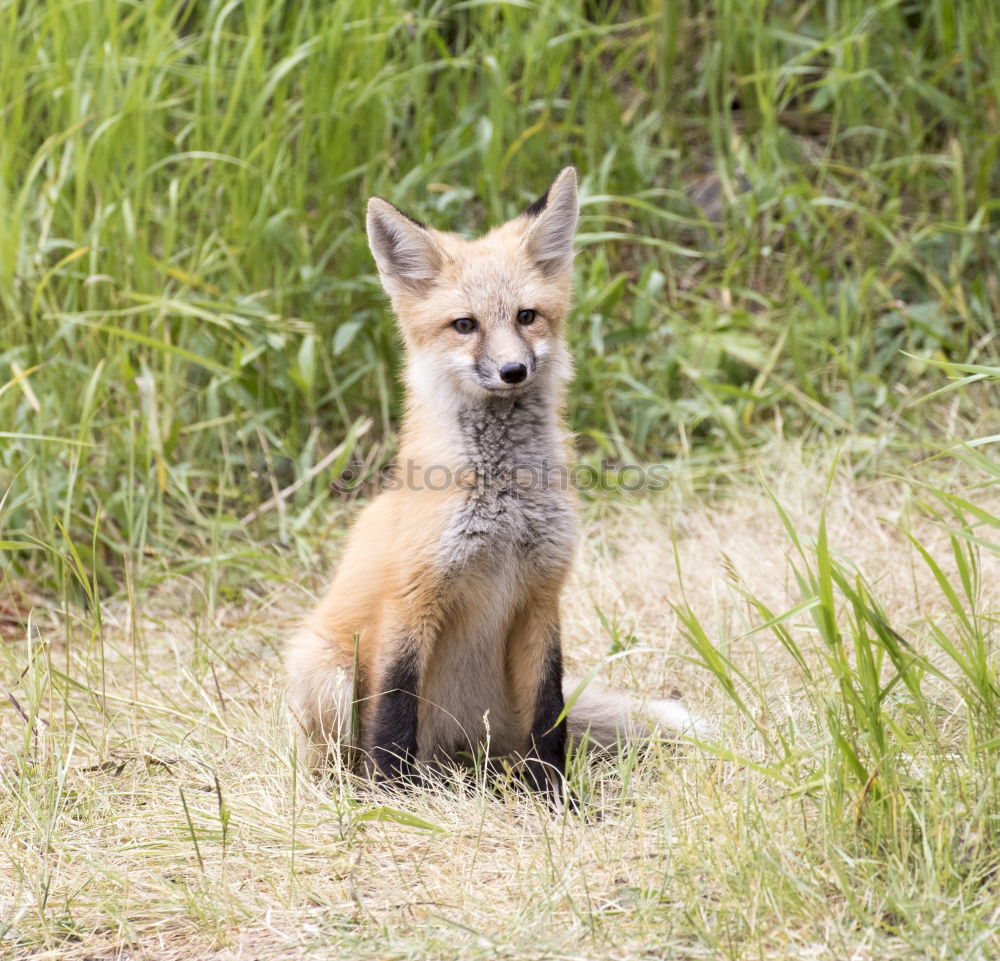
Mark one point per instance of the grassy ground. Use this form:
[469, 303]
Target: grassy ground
[151, 798]
[788, 242]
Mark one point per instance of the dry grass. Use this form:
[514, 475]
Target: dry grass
[735, 543]
[151, 805]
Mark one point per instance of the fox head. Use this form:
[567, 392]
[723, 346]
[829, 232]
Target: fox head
[482, 317]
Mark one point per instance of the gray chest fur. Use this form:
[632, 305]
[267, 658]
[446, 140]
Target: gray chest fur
[515, 508]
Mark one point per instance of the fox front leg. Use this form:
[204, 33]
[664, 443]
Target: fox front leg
[546, 760]
[392, 744]
[534, 656]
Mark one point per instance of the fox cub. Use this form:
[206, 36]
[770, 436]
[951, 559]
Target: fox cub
[446, 601]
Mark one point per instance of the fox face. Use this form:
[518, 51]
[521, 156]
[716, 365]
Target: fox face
[483, 317]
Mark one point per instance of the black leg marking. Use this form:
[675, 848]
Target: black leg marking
[393, 746]
[546, 762]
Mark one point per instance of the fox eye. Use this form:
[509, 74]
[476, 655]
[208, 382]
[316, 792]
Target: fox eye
[525, 317]
[464, 325]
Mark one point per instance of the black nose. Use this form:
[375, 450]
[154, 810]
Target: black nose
[513, 373]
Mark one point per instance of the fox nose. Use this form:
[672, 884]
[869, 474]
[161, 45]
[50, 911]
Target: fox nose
[513, 373]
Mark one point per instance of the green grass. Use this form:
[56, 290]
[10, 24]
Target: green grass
[186, 292]
[788, 254]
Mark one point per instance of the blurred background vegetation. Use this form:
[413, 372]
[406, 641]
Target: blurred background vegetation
[788, 226]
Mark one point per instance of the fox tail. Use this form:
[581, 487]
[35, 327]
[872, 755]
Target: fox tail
[611, 720]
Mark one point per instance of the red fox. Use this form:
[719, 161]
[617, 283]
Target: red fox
[446, 601]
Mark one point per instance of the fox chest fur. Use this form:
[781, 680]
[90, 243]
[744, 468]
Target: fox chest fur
[510, 531]
[515, 507]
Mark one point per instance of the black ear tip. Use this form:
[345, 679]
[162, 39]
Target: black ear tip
[538, 206]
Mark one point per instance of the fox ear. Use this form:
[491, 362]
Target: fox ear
[406, 254]
[548, 241]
